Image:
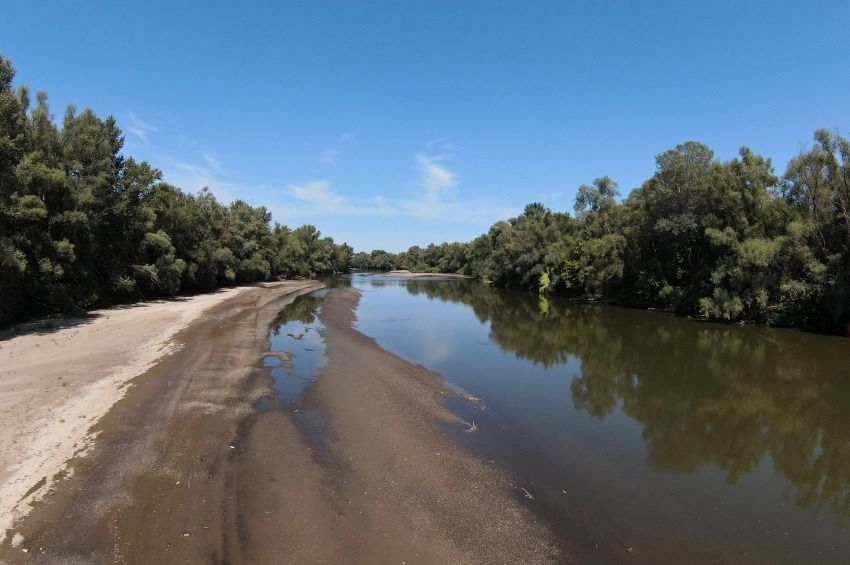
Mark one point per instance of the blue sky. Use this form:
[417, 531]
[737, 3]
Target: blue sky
[394, 123]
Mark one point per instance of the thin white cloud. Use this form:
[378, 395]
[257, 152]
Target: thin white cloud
[440, 144]
[193, 177]
[318, 197]
[435, 197]
[210, 160]
[433, 177]
[140, 128]
[205, 170]
[330, 155]
[317, 192]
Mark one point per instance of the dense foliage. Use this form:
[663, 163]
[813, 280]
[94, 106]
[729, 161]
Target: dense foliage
[723, 240]
[82, 225]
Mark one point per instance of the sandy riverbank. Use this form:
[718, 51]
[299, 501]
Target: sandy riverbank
[404, 273]
[187, 470]
[57, 380]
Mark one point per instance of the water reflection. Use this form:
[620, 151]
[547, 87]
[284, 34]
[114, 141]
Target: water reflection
[297, 349]
[702, 393]
[303, 309]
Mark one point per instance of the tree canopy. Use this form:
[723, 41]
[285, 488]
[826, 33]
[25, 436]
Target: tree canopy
[83, 225]
[721, 240]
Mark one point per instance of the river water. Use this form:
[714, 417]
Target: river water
[642, 437]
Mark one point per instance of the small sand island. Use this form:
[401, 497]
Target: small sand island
[406, 273]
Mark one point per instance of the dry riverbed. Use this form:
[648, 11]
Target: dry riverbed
[186, 469]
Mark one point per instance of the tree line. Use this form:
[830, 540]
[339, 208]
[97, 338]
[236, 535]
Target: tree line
[82, 225]
[726, 240]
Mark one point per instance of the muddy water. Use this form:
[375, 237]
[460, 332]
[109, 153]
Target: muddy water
[642, 438]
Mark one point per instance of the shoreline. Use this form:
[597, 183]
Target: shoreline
[188, 469]
[415, 274]
[58, 380]
[458, 507]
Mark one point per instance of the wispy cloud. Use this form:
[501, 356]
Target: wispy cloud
[440, 144]
[192, 177]
[441, 198]
[317, 192]
[330, 155]
[435, 178]
[140, 128]
[319, 198]
[435, 198]
[200, 168]
[433, 193]
[210, 160]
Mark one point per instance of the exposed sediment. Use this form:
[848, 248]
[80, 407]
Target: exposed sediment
[59, 377]
[187, 470]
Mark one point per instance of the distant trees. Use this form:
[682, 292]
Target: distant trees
[722, 240]
[83, 225]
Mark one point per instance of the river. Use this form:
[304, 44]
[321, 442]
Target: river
[638, 437]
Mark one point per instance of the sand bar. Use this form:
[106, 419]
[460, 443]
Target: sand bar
[58, 379]
[190, 468]
[416, 274]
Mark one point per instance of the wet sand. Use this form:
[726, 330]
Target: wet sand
[187, 470]
[58, 378]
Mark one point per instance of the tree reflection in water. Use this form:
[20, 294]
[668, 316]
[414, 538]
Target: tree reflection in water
[703, 393]
[303, 309]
